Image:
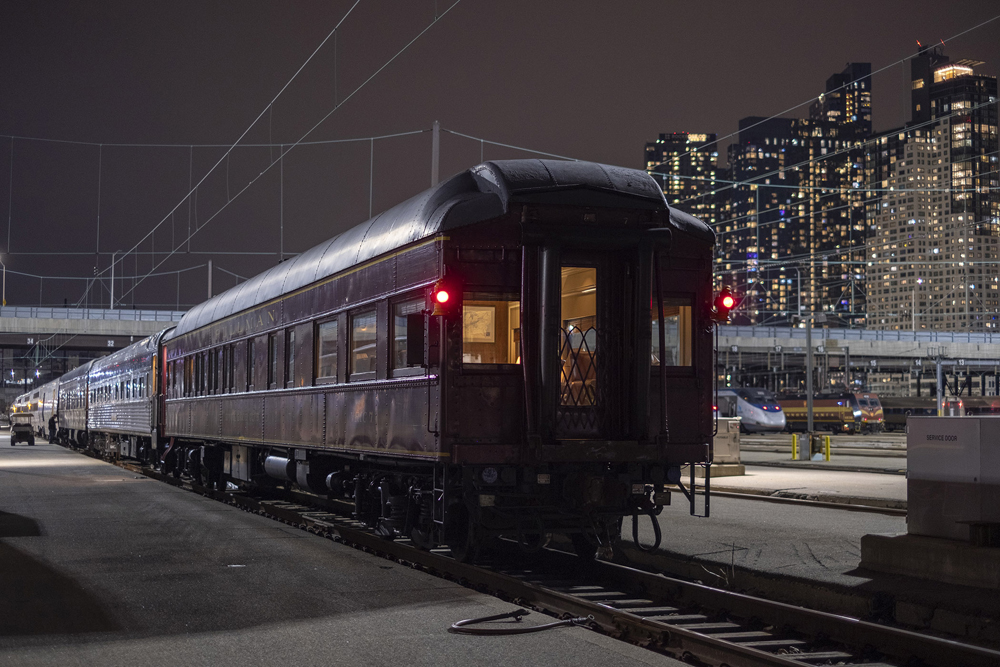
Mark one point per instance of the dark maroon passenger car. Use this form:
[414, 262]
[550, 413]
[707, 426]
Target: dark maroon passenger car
[521, 350]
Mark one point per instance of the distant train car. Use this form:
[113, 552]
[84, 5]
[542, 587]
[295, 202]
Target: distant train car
[872, 416]
[122, 419]
[73, 407]
[838, 413]
[20, 404]
[898, 408]
[48, 405]
[758, 409]
[979, 405]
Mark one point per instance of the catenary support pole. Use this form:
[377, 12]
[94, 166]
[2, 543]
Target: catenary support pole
[809, 385]
[940, 387]
[436, 154]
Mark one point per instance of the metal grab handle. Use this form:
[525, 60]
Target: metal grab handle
[459, 627]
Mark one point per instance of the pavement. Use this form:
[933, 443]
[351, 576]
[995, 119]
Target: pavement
[819, 544]
[808, 554]
[840, 461]
[100, 566]
[842, 476]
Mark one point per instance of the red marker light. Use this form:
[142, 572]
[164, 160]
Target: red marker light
[445, 299]
[723, 303]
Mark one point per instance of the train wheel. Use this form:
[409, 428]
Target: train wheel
[422, 540]
[462, 535]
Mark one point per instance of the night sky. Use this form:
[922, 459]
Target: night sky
[587, 79]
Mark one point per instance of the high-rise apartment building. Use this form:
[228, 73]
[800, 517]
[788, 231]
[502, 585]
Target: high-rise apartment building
[792, 227]
[759, 226]
[686, 165]
[934, 204]
[840, 122]
[847, 102]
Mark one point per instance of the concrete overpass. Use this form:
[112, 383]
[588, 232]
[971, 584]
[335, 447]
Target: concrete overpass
[38, 344]
[775, 357]
[866, 343]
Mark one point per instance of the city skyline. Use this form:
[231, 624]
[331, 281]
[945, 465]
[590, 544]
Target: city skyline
[188, 76]
[827, 198]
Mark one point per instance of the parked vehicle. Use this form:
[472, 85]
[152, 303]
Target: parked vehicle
[21, 429]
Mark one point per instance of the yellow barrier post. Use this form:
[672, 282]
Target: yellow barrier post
[795, 446]
[826, 447]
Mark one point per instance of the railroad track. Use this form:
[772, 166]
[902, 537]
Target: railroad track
[682, 619]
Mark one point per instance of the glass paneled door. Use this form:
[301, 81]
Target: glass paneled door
[578, 350]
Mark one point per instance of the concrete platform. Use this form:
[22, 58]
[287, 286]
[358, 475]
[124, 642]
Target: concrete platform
[812, 555]
[932, 558]
[99, 566]
[839, 461]
[819, 483]
[717, 470]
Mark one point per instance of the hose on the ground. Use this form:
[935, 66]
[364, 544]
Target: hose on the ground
[461, 627]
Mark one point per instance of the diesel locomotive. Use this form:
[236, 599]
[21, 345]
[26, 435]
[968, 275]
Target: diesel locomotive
[523, 349]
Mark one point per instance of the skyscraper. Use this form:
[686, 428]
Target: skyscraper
[847, 101]
[934, 204]
[759, 221]
[686, 165]
[792, 223]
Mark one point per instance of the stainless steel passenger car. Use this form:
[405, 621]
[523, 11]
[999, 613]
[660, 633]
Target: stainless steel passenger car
[122, 395]
[73, 406]
[563, 381]
[48, 407]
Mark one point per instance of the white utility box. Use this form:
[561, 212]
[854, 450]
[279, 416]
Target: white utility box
[953, 475]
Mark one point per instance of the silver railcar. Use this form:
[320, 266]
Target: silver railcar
[122, 418]
[73, 406]
[46, 408]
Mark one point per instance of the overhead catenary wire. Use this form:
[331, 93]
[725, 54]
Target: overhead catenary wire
[841, 151]
[286, 148]
[301, 143]
[827, 189]
[225, 156]
[190, 145]
[235, 275]
[830, 190]
[869, 76]
[161, 273]
[503, 145]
